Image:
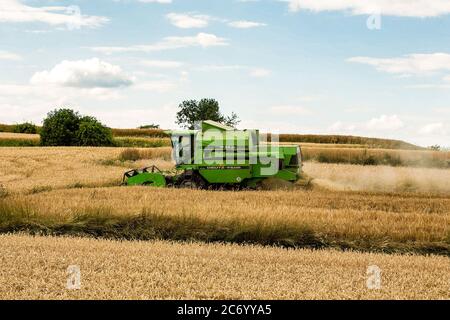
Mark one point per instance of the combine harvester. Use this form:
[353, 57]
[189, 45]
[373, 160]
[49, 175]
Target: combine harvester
[219, 157]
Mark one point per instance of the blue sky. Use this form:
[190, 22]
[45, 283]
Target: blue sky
[375, 68]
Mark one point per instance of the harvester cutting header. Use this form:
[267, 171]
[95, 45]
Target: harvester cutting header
[216, 156]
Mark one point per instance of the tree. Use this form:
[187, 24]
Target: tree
[65, 127]
[25, 127]
[192, 111]
[435, 147]
[60, 127]
[92, 133]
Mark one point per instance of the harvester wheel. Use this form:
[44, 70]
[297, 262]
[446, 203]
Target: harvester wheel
[191, 180]
[186, 184]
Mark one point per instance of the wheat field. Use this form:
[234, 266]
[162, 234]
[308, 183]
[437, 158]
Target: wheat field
[73, 192]
[36, 268]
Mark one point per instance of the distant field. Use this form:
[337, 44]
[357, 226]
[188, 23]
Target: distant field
[8, 139]
[298, 138]
[36, 268]
[323, 153]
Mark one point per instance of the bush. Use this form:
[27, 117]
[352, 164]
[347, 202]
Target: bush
[65, 127]
[93, 133]
[25, 127]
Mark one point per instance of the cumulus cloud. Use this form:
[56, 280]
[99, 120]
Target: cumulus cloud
[203, 40]
[401, 8]
[5, 55]
[244, 24]
[17, 12]
[385, 123]
[188, 20]
[91, 73]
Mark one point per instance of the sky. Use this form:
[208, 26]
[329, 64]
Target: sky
[378, 68]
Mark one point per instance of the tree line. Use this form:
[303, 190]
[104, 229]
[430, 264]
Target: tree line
[66, 127]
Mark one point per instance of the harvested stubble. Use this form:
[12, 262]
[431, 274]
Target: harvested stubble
[28, 170]
[36, 268]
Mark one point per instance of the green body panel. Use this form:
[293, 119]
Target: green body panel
[149, 179]
[225, 175]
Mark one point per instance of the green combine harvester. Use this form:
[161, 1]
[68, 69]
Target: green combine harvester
[219, 157]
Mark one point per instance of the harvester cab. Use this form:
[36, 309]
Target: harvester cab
[215, 156]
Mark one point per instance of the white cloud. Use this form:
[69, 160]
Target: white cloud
[17, 12]
[378, 125]
[402, 8]
[188, 20]
[164, 64]
[244, 24]
[437, 128]
[5, 55]
[385, 123]
[92, 73]
[417, 64]
[203, 40]
[193, 20]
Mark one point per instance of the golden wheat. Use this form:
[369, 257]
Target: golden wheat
[28, 169]
[18, 136]
[399, 218]
[36, 268]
